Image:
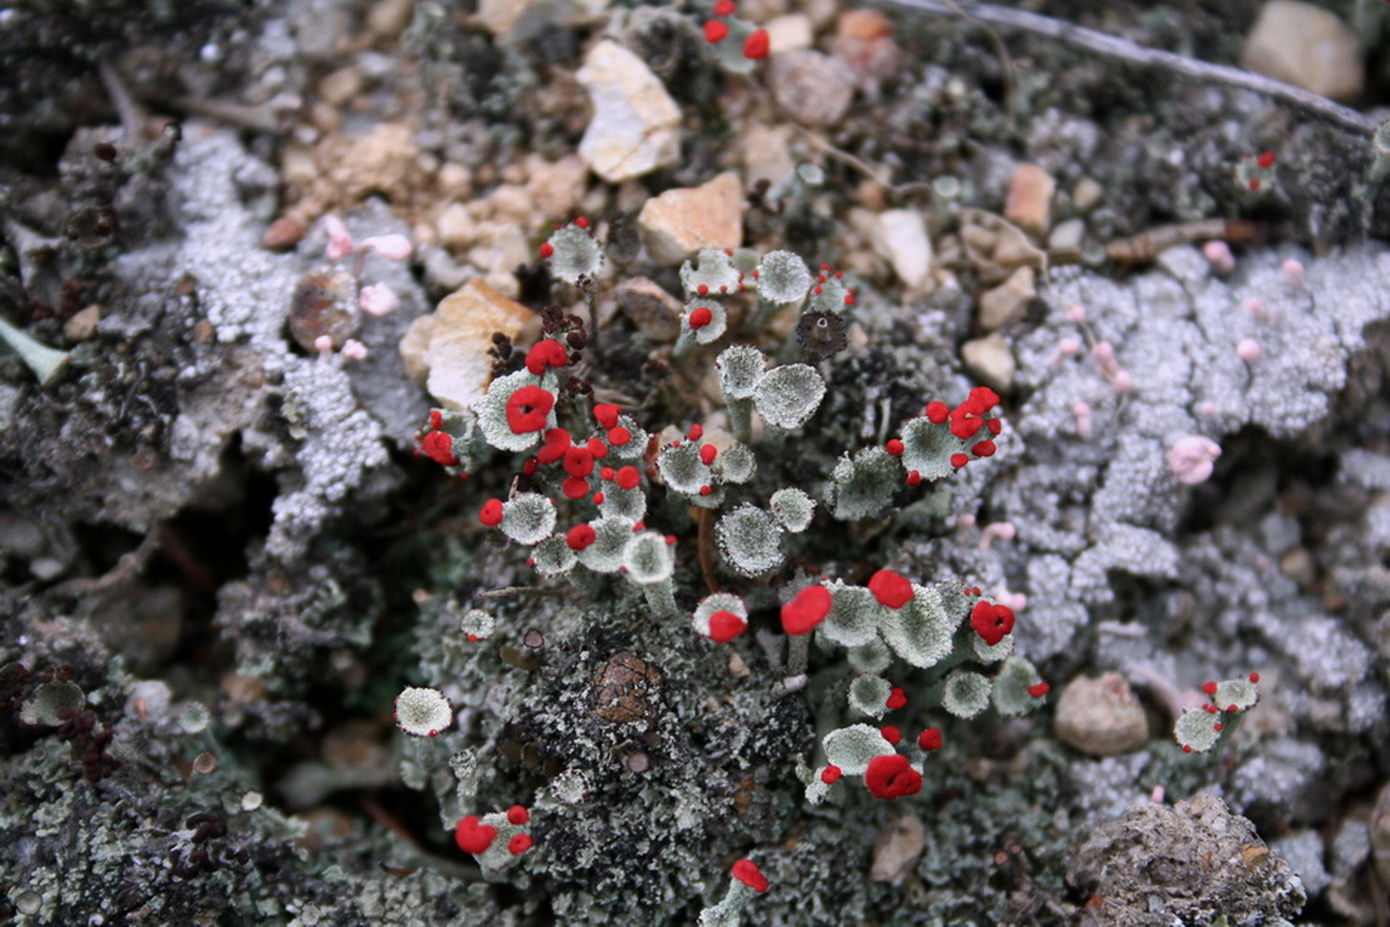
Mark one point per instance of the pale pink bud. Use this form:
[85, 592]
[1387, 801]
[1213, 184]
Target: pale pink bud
[1076, 313]
[1122, 381]
[1294, 271]
[1207, 409]
[1104, 353]
[339, 238]
[1191, 458]
[378, 299]
[1218, 255]
[1069, 346]
[996, 531]
[1082, 411]
[1248, 349]
[355, 350]
[391, 247]
[324, 345]
[966, 520]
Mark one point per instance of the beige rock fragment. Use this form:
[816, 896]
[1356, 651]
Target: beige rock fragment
[900, 235]
[635, 126]
[83, 324]
[1087, 194]
[1306, 46]
[990, 360]
[765, 152]
[447, 350]
[791, 32]
[1029, 203]
[556, 187]
[1008, 301]
[897, 849]
[1101, 716]
[455, 228]
[678, 223]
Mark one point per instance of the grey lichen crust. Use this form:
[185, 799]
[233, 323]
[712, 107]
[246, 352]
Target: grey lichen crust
[1192, 863]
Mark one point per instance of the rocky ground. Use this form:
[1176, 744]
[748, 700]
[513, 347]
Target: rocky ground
[782, 462]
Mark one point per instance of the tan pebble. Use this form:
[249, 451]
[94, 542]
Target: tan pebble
[991, 360]
[1101, 716]
[1009, 301]
[1029, 203]
[678, 223]
[284, 232]
[457, 230]
[655, 312]
[457, 337]
[863, 24]
[897, 849]
[340, 86]
[1087, 194]
[1307, 46]
[83, 324]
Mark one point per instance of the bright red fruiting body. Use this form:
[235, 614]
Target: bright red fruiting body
[556, 443]
[937, 412]
[983, 449]
[519, 844]
[575, 487]
[807, 610]
[891, 733]
[618, 436]
[724, 626]
[580, 537]
[715, 31]
[929, 740]
[700, 316]
[892, 776]
[702, 289]
[517, 815]
[724, 8]
[896, 699]
[1038, 690]
[473, 836]
[606, 414]
[547, 249]
[890, 588]
[527, 409]
[830, 774]
[582, 222]
[1209, 688]
[491, 513]
[606, 474]
[1254, 677]
[706, 490]
[1266, 160]
[697, 431]
[579, 461]
[894, 448]
[546, 353]
[629, 477]
[959, 460]
[756, 45]
[992, 622]
[597, 447]
[914, 478]
[707, 454]
[439, 447]
[746, 871]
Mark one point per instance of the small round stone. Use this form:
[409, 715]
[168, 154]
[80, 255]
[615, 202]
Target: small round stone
[1101, 716]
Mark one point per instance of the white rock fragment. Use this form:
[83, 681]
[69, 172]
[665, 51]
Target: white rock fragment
[635, 126]
[900, 235]
[678, 223]
[1306, 46]
[990, 360]
[447, 350]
